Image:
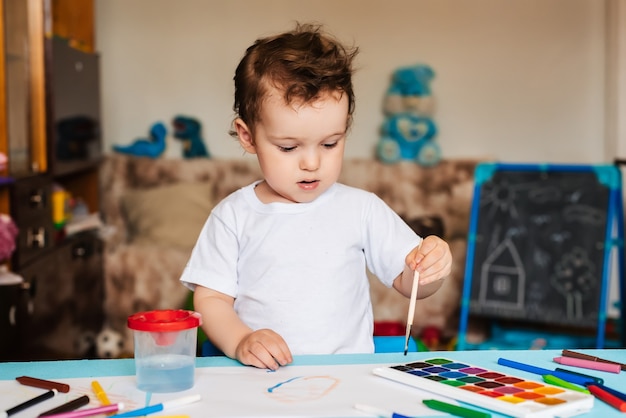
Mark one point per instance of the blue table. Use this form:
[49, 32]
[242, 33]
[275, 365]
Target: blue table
[57, 370]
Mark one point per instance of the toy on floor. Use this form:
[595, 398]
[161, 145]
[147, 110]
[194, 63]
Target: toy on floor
[189, 131]
[408, 132]
[152, 147]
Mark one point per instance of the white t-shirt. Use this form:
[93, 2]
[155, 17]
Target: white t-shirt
[299, 268]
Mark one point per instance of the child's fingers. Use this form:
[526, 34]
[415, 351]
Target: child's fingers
[265, 349]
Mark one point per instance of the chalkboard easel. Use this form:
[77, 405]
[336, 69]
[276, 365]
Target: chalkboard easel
[540, 245]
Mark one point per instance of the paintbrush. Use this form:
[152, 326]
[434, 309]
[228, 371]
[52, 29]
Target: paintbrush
[409, 319]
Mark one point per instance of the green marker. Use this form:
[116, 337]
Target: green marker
[459, 411]
[553, 380]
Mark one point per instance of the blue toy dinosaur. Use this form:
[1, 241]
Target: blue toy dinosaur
[152, 147]
[188, 130]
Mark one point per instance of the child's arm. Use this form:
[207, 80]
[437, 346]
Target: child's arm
[262, 348]
[433, 261]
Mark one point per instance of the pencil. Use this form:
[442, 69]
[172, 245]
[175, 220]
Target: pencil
[100, 393]
[409, 319]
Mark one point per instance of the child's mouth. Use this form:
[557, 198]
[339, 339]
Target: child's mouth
[308, 184]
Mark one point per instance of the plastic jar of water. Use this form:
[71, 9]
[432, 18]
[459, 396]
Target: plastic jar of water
[165, 349]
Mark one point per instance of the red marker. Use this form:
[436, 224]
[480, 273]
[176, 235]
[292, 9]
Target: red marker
[605, 396]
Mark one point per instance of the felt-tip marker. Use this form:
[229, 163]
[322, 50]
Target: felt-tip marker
[100, 393]
[607, 397]
[43, 384]
[553, 380]
[612, 391]
[596, 379]
[67, 407]
[378, 412]
[81, 413]
[456, 410]
[572, 378]
[34, 401]
[186, 400]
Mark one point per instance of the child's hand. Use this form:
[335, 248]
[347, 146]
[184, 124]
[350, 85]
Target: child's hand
[432, 259]
[264, 349]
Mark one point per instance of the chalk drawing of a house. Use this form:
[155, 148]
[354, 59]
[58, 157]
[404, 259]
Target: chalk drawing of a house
[502, 278]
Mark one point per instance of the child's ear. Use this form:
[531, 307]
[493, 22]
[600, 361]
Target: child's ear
[245, 136]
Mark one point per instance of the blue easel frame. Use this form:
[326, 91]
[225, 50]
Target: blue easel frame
[609, 175]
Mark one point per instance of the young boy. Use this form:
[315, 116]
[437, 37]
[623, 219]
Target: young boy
[280, 265]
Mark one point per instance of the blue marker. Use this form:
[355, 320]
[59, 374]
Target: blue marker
[568, 377]
[596, 379]
[160, 407]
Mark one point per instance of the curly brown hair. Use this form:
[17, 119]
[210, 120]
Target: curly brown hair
[302, 63]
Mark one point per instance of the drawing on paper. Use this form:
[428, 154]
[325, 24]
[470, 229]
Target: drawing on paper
[302, 388]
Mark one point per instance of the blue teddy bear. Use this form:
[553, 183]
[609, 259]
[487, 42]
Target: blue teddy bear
[408, 132]
[407, 136]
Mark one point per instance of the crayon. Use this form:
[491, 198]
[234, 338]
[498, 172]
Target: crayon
[43, 384]
[574, 354]
[588, 364]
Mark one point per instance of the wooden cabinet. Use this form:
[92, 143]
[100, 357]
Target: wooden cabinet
[50, 132]
[74, 20]
[24, 130]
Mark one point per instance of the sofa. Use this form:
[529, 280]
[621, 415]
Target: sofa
[153, 210]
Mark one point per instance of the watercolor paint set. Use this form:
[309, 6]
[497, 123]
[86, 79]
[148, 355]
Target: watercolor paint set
[493, 390]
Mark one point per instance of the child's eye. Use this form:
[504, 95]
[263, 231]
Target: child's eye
[331, 145]
[286, 149]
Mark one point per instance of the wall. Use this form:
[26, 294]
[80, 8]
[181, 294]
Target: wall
[518, 80]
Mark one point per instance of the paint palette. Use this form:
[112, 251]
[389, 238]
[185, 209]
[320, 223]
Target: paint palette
[493, 390]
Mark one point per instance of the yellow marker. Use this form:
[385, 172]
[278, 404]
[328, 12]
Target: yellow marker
[100, 393]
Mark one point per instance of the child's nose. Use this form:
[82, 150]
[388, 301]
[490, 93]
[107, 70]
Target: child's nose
[310, 161]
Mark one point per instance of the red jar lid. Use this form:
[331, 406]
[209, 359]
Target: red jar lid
[164, 320]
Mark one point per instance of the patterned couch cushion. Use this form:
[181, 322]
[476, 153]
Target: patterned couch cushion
[134, 270]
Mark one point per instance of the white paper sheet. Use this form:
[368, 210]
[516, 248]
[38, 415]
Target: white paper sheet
[292, 391]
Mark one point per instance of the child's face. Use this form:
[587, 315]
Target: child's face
[299, 147]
